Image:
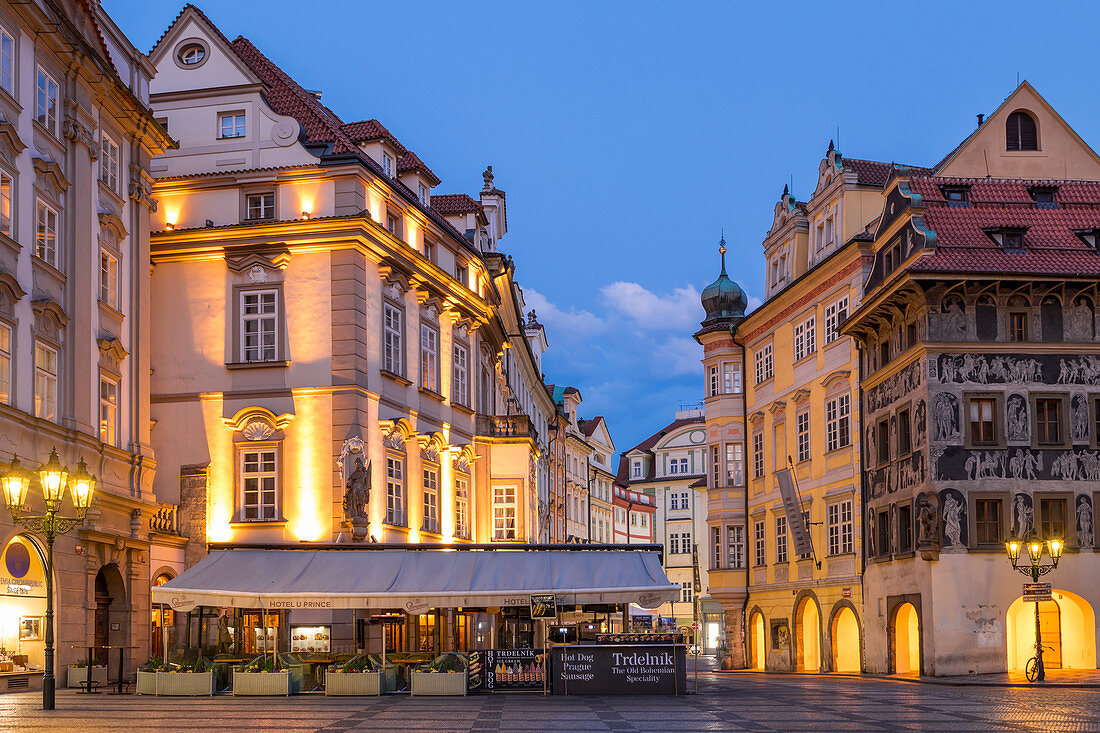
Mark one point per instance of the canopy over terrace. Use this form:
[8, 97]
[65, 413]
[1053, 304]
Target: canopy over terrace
[416, 580]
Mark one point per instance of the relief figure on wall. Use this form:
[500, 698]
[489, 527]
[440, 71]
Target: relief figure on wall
[920, 417]
[1077, 465]
[357, 493]
[953, 319]
[1023, 518]
[954, 518]
[945, 416]
[1025, 462]
[1080, 320]
[1079, 418]
[928, 521]
[1083, 370]
[1084, 521]
[1018, 423]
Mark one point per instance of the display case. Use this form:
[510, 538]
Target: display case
[260, 644]
[305, 639]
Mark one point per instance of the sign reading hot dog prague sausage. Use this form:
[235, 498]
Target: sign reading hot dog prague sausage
[544, 606]
[619, 670]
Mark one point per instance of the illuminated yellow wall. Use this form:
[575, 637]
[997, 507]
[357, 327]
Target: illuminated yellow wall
[1077, 627]
[906, 640]
[846, 647]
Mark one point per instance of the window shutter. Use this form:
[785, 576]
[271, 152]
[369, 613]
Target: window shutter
[1021, 132]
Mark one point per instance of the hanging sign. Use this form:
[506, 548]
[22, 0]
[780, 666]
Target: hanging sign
[796, 523]
[1037, 592]
[544, 606]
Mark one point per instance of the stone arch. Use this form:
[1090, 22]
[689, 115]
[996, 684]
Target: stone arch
[758, 639]
[1068, 628]
[1021, 131]
[807, 632]
[840, 629]
[905, 634]
[111, 607]
[161, 628]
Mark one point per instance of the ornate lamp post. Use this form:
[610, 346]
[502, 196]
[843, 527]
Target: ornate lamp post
[1035, 569]
[53, 479]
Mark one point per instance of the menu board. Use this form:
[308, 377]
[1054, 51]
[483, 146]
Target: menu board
[310, 639]
[508, 669]
[620, 670]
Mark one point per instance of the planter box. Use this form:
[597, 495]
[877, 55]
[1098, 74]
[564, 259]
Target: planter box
[185, 683]
[76, 675]
[438, 683]
[262, 683]
[353, 683]
[146, 683]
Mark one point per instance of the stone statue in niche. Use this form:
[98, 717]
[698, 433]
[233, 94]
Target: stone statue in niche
[357, 499]
[954, 319]
[954, 518]
[1018, 423]
[871, 532]
[1084, 521]
[1079, 418]
[1025, 462]
[920, 416]
[1079, 321]
[1023, 518]
[945, 416]
[928, 521]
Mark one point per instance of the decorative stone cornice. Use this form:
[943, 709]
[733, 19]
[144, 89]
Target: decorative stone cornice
[51, 175]
[274, 259]
[79, 126]
[247, 415]
[141, 188]
[113, 222]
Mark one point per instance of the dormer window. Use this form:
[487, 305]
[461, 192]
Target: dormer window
[1091, 237]
[192, 54]
[387, 164]
[1010, 239]
[1021, 132]
[957, 196]
[422, 193]
[1044, 197]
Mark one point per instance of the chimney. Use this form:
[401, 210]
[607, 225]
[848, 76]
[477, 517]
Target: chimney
[981, 118]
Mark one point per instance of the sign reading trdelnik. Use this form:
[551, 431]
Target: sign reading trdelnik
[620, 670]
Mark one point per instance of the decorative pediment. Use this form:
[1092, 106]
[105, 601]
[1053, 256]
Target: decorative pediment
[395, 433]
[778, 408]
[463, 457]
[393, 279]
[10, 294]
[757, 418]
[50, 177]
[249, 415]
[110, 221]
[785, 209]
[840, 375]
[49, 319]
[801, 396]
[431, 445]
[431, 308]
[111, 347]
[269, 259]
[10, 143]
[141, 187]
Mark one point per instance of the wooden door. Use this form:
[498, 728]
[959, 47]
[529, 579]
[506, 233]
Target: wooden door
[1050, 626]
[102, 627]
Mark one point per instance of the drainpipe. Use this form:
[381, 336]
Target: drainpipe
[862, 462]
[745, 656]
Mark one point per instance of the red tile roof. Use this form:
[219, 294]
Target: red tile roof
[623, 474]
[410, 162]
[874, 172]
[589, 426]
[1051, 246]
[365, 131]
[450, 204]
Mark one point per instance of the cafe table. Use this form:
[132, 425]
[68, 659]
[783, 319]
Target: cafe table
[87, 685]
[121, 664]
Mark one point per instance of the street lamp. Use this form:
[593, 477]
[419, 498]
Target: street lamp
[1035, 569]
[53, 479]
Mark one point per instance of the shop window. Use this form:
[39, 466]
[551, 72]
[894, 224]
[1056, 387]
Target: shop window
[259, 484]
[504, 514]
[395, 490]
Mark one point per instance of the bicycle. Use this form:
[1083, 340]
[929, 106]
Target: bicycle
[1031, 669]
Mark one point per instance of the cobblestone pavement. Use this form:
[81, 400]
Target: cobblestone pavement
[742, 702]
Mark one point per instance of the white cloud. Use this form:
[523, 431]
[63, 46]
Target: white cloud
[679, 311]
[679, 356]
[572, 322]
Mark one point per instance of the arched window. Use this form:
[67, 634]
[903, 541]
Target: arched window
[1050, 313]
[1021, 133]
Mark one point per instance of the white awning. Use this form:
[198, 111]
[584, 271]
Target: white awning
[416, 580]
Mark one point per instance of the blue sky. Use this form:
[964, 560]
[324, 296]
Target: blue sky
[628, 134]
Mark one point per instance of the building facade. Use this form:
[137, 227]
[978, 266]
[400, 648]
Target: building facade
[76, 140]
[601, 479]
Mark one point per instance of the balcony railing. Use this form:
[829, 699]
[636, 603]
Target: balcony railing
[166, 520]
[506, 426]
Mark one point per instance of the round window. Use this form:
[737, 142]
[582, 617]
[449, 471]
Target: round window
[192, 54]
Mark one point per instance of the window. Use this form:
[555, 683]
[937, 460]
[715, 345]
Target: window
[431, 500]
[685, 542]
[1020, 132]
[45, 244]
[839, 528]
[683, 466]
[1013, 241]
[905, 527]
[5, 364]
[674, 467]
[838, 422]
[716, 547]
[191, 54]
[956, 195]
[731, 378]
[781, 539]
[429, 250]
[429, 357]
[109, 161]
[905, 440]
[462, 274]
[633, 516]
[462, 507]
[231, 124]
[715, 467]
[259, 482]
[674, 544]
[387, 164]
[883, 354]
[45, 382]
[45, 102]
[911, 334]
[982, 427]
[260, 205]
[259, 316]
[5, 203]
[834, 316]
[393, 225]
[686, 589]
[1017, 326]
[714, 380]
[393, 327]
[1052, 519]
[108, 411]
[636, 469]
[987, 521]
[883, 442]
[460, 377]
[504, 513]
[422, 193]
[734, 463]
[7, 62]
[108, 278]
[759, 558]
[882, 533]
[802, 433]
[1048, 421]
[758, 455]
[1044, 198]
[805, 339]
[763, 364]
[806, 524]
[735, 547]
[395, 490]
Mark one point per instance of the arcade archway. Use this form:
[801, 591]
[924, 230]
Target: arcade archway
[1068, 628]
[807, 629]
[757, 652]
[844, 634]
[906, 640]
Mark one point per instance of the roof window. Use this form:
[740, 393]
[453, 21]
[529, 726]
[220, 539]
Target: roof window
[1044, 197]
[956, 196]
[1021, 132]
[1010, 239]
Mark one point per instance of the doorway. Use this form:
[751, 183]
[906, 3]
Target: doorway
[906, 640]
[1067, 624]
[808, 635]
[756, 641]
[845, 641]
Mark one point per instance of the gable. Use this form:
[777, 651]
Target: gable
[219, 67]
[689, 436]
[1062, 154]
